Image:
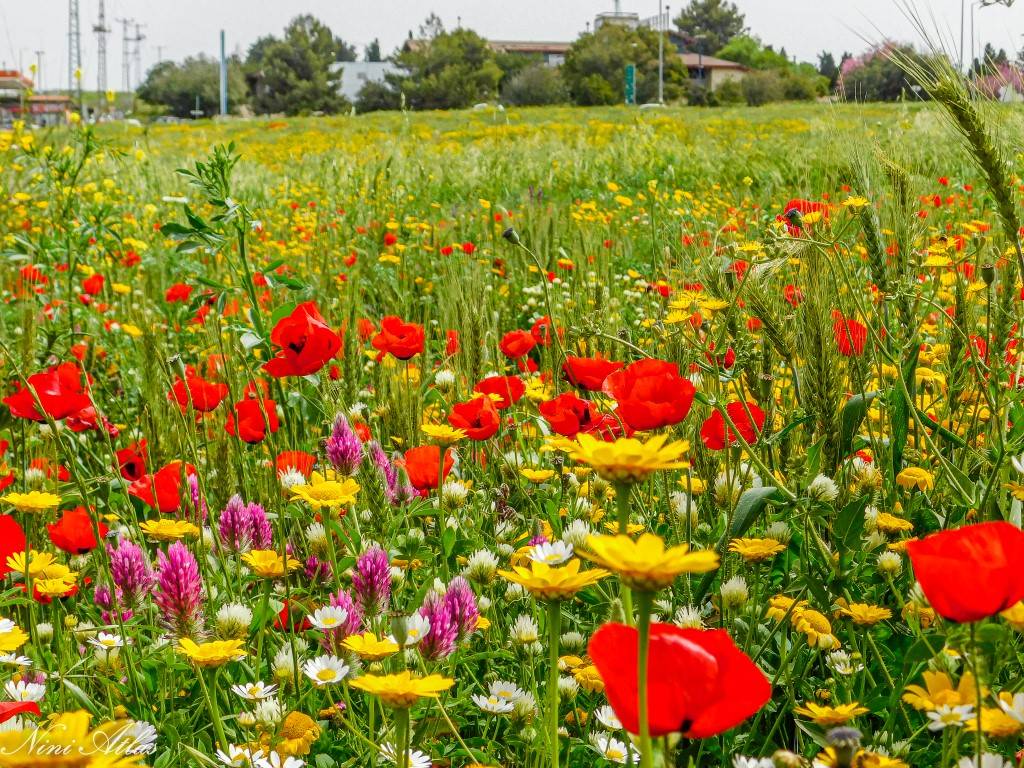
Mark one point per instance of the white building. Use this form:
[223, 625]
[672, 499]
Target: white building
[356, 74]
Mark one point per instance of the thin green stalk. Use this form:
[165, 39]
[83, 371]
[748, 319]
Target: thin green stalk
[554, 634]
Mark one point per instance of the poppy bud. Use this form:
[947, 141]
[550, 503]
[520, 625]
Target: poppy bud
[615, 611]
[399, 629]
[988, 273]
[511, 235]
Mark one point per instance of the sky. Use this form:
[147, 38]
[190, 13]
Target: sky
[174, 29]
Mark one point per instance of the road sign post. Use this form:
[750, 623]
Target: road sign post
[631, 84]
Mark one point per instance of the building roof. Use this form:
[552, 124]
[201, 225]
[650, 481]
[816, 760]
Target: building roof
[695, 60]
[526, 46]
[13, 80]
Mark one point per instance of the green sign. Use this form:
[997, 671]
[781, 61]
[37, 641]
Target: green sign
[631, 83]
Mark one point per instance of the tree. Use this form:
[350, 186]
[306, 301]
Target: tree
[295, 74]
[377, 97]
[372, 51]
[709, 25]
[874, 76]
[751, 52]
[535, 85]
[595, 66]
[176, 86]
[431, 27]
[827, 67]
[451, 70]
[346, 51]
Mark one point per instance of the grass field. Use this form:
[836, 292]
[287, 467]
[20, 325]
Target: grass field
[429, 438]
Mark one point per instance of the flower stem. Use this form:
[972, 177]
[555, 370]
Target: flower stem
[643, 602]
[622, 507]
[554, 634]
[218, 726]
[402, 737]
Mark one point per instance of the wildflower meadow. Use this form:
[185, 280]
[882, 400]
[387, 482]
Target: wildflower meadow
[532, 437]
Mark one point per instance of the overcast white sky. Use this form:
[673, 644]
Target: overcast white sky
[177, 28]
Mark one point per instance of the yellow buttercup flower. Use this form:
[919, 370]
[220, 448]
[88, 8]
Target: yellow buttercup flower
[863, 759]
[296, 736]
[865, 614]
[37, 564]
[12, 637]
[325, 491]
[1015, 616]
[916, 477]
[938, 691]
[628, 460]
[367, 647]
[404, 689]
[66, 741]
[211, 654]
[443, 433]
[33, 501]
[887, 522]
[537, 475]
[268, 563]
[55, 587]
[167, 529]
[645, 564]
[756, 550]
[828, 715]
[547, 583]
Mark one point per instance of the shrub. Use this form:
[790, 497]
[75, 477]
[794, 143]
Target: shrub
[763, 87]
[536, 85]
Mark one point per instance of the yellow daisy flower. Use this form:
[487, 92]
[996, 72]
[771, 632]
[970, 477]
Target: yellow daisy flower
[645, 564]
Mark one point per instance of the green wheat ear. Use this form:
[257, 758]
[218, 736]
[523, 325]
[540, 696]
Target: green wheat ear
[954, 94]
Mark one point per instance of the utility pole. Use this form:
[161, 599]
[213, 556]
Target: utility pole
[74, 44]
[137, 53]
[101, 30]
[39, 70]
[661, 54]
[223, 77]
[126, 54]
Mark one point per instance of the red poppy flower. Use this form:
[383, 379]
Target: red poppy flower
[517, 344]
[305, 343]
[12, 541]
[93, 284]
[650, 394]
[568, 414]
[203, 395]
[422, 465]
[162, 489]
[850, 336]
[179, 292]
[589, 373]
[292, 618]
[131, 460]
[250, 419]
[74, 533]
[541, 331]
[793, 295]
[451, 343]
[972, 572]
[399, 338]
[713, 430]
[60, 391]
[698, 682]
[9, 709]
[477, 417]
[300, 461]
[509, 389]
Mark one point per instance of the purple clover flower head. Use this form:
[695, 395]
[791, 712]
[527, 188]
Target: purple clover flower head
[244, 526]
[372, 581]
[261, 534]
[385, 468]
[130, 571]
[343, 447]
[102, 597]
[234, 525]
[540, 538]
[439, 641]
[198, 502]
[462, 603]
[179, 592]
[317, 570]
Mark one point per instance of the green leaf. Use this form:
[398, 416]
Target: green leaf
[849, 524]
[852, 415]
[750, 506]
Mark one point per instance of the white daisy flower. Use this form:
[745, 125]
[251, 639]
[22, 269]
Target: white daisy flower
[22, 691]
[606, 716]
[417, 759]
[254, 691]
[551, 552]
[614, 750]
[329, 617]
[325, 670]
[494, 705]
